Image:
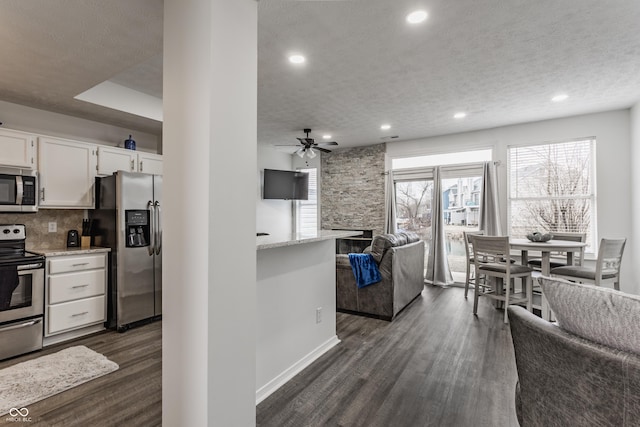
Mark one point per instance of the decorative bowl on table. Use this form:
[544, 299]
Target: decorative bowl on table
[539, 237]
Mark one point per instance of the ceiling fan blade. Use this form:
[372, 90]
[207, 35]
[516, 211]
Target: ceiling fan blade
[286, 145]
[302, 140]
[328, 143]
[324, 150]
[308, 140]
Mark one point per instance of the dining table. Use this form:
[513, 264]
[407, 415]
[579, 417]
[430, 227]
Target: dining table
[545, 248]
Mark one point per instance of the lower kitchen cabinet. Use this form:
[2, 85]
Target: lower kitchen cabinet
[75, 295]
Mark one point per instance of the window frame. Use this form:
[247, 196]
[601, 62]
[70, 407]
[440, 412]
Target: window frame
[591, 249]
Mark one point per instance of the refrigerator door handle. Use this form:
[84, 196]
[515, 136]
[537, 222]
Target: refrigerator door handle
[158, 227]
[152, 230]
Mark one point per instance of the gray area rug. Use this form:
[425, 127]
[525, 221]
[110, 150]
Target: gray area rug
[36, 379]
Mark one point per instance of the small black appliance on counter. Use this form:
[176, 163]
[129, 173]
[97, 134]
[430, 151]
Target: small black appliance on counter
[73, 239]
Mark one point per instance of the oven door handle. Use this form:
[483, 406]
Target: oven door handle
[22, 325]
[30, 266]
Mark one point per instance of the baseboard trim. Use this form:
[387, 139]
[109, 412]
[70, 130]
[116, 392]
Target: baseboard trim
[270, 387]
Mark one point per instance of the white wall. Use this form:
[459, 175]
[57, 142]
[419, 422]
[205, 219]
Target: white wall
[209, 276]
[634, 241]
[292, 282]
[272, 216]
[32, 120]
[613, 165]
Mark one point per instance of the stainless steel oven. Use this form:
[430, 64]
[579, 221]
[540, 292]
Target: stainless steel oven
[21, 294]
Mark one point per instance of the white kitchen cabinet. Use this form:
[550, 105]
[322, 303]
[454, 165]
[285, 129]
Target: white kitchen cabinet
[150, 163]
[17, 149]
[67, 173]
[75, 295]
[112, 159]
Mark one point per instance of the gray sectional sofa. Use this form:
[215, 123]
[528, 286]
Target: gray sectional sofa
[400, 259]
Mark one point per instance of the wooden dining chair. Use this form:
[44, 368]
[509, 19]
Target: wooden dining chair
[605, 271]
[468, 246]
[556, 261]
[492, 258]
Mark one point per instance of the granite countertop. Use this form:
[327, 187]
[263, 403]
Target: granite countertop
[276, 241]
[69, 251]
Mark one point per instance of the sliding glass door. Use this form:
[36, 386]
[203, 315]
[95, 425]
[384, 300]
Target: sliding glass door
[461, 206]
[413, 208]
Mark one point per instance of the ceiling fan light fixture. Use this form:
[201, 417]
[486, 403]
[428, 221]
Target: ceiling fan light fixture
[300, 152]
[311, 153]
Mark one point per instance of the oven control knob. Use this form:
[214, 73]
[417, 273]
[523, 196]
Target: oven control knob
[6, 231]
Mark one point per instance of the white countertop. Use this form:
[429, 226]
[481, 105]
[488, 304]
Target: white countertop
[69, 251]
[276, 241]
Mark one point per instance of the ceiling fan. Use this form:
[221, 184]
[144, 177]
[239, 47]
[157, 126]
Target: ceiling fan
[308, 145]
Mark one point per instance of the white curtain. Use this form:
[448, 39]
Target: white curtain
[489, 209]
[390, 205]
[438, 272]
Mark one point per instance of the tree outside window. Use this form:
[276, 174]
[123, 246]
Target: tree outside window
[551, 188]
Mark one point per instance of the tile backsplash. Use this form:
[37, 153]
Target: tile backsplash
[37, 225]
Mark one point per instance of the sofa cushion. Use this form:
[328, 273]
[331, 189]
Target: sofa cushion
[598, 314]
[381, 243]
[410, 236]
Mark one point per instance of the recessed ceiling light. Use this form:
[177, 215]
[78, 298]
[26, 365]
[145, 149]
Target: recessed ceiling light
[326, 136]
[559, 98]
[297, 59]
[460, 115]
[385, 127]
[417, 17]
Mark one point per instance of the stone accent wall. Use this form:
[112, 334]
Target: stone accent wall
[37, 225]
[352, 193]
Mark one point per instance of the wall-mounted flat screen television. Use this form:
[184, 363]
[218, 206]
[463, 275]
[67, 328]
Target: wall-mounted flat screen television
[287, 185]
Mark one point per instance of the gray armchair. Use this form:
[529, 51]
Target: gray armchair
[400, 259]
[566, 380]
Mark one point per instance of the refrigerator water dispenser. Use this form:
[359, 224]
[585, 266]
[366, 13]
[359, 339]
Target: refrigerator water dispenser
[137, 228]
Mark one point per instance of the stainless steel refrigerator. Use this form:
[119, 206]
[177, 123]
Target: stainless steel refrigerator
[128, 219]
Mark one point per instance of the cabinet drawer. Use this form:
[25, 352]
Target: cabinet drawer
[72, 286]
[71, 263]
[75, 314]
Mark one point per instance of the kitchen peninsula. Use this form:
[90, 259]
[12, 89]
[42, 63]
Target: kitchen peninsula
[296, 298]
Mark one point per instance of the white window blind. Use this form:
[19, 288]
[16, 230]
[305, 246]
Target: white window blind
[552, 188]
[307, 210]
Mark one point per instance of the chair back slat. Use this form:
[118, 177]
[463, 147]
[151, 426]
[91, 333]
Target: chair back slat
[610, 252]
[468, 244]
[571, 237]
[490, 246]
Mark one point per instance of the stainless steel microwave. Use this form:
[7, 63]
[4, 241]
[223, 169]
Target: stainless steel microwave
[18, 190]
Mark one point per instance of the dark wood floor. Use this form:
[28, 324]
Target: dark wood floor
[130, 396]
[434, 365]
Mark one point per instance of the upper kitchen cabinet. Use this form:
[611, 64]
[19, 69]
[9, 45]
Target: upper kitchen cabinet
[17, 149]
[112, 159]
[67, 173]
[150, 163]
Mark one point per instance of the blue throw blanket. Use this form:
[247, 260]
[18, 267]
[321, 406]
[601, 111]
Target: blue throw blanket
[364, 269]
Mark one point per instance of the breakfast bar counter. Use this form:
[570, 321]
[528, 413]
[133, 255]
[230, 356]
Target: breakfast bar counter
[296, 304]
[276, 241]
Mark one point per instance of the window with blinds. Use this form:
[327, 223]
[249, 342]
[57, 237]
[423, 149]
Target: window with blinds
[307, 210]
[552, 188]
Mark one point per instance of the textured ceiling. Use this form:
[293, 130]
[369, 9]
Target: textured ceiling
[499, 61]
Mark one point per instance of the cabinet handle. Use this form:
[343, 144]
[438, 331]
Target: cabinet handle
[78, 265]
[140, 165]
[80, 314]
[133, 165]
[42, 195]
[79, 286]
